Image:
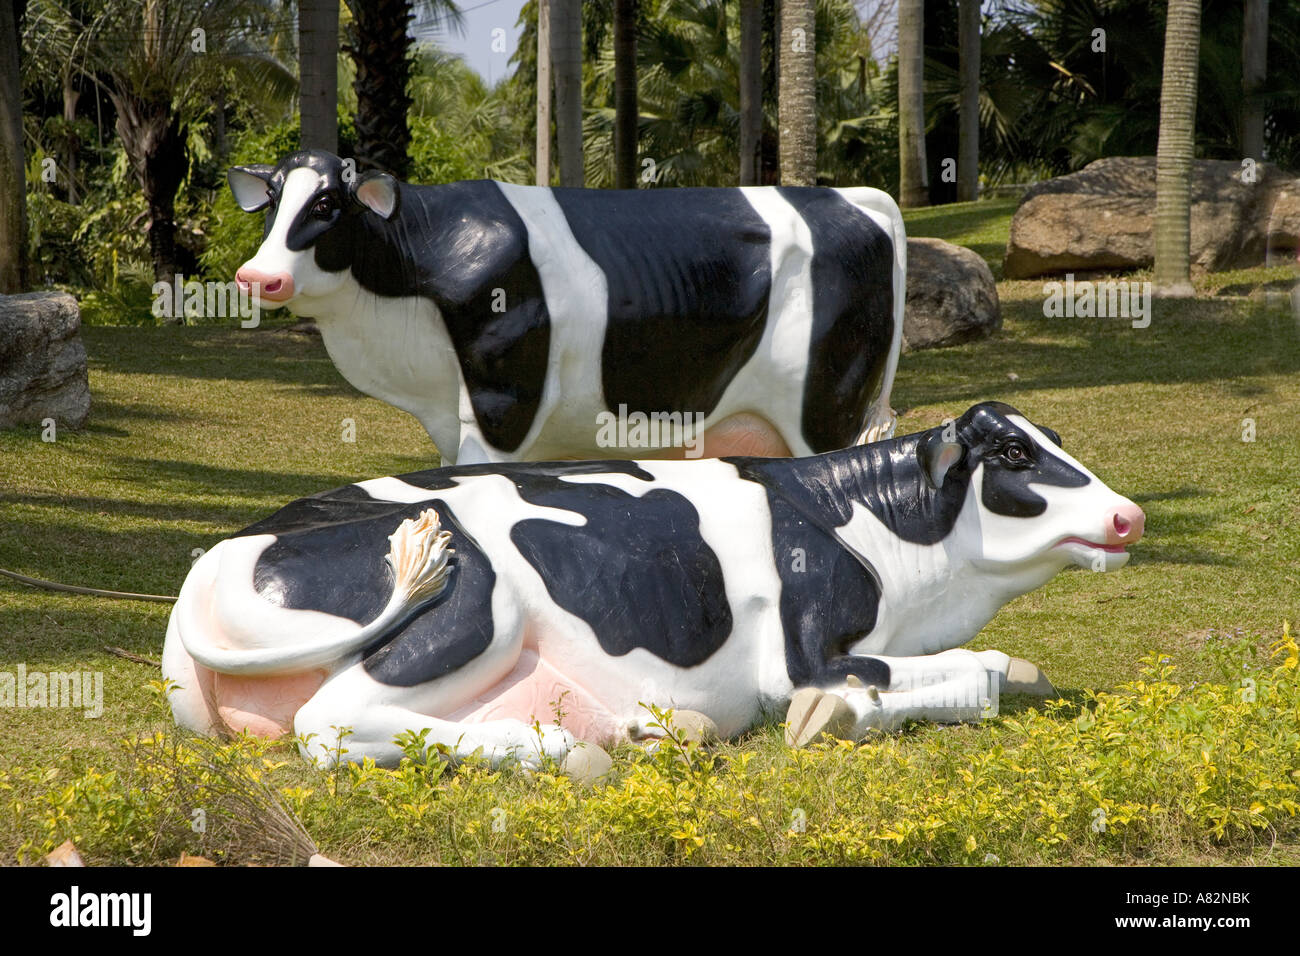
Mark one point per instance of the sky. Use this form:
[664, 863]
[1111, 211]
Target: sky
[492, 23]
[483, 20]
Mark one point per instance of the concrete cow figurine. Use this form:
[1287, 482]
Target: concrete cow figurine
[466, 600]
[513, 321]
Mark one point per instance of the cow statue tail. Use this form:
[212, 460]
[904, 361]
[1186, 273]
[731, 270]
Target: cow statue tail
[418, 556]
[881, 419]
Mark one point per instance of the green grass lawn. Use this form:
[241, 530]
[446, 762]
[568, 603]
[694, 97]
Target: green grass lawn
[197, 432]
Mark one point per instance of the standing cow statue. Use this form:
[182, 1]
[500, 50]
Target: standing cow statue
[513, 321]
[468, 600]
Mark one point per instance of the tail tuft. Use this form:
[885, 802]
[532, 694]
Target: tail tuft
[418, 554]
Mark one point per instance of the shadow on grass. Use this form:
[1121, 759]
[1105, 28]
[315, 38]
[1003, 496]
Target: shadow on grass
[1174, 351]
[205, 352]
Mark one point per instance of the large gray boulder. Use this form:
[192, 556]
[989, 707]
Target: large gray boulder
[42, 361]
[1102, 218]
[951, 296]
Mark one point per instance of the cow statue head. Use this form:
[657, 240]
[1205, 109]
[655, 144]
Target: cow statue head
[316, 207]
[1028, 508]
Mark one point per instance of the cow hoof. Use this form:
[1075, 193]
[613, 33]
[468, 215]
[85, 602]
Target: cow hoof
[690, 726]
[814, 712]
[1024, 677]
[587, 765]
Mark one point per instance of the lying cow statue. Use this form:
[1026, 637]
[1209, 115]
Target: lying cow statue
[467, 601]
[516, 321]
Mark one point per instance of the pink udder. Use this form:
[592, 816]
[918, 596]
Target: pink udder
[264, 706]
[530, 692]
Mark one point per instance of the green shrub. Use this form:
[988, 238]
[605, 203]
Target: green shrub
[1155, 769]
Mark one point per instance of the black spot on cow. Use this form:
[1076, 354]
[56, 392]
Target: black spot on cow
[852, 315]
[688, 296]
[829, 601]
[329, 556]
[638, 572]
[446, 635]
[523, 474]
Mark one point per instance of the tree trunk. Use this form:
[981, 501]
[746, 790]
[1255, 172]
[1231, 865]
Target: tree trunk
[380, 44]
[797, 93]
[1176, 149]
[543, 92]
[968, 142]
[913, 180]
[751, 91]
[13, 177]
[566, 62]
[1254, 59]
[625, 104]
[318, 77]
[154, 142]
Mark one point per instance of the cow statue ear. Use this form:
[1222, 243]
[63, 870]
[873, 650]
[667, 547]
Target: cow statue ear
[249, 184]
[378, 193]
[1056, 439]
[937, 456]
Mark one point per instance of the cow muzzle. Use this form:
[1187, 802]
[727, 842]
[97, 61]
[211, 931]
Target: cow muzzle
[267, 286]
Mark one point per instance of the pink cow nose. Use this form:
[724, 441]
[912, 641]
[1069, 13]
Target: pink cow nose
[273, 287]
[1124, 524]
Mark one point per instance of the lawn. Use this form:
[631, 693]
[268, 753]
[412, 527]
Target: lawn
[197, 432]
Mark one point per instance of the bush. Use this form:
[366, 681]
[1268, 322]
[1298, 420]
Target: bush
[1156, 769]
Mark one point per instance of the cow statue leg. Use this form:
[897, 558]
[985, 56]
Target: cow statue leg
[953, 686]
[351, 718]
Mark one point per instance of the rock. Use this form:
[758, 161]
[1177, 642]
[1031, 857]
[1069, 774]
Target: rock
[65, 854]
[814, 712]
[951, 296]
[587, 764]
[42, 361]
[1102, 218]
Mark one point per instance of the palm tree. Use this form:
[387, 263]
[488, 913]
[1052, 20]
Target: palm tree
[1254, 53]
[968, 141]
[566, 72]
[318, 73]
[13, 188]
[625, 100]
[380, 44]
[797, 92]
[1176, 149]
[751, 90]
[160, 63]
[913, 184]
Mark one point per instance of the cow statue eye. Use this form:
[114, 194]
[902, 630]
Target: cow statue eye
[1015, 453]
[323, 208]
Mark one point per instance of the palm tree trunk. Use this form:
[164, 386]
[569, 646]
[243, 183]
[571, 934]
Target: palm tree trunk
[543, 164]
[1176, 149]
[625, 104]
[13, 178]
[1254, 59]
[913, 181]
[154, 142]
[797, 93]
[318, 77]
[380, 45]
[751, 90]
[968, 139]
[566, 62]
